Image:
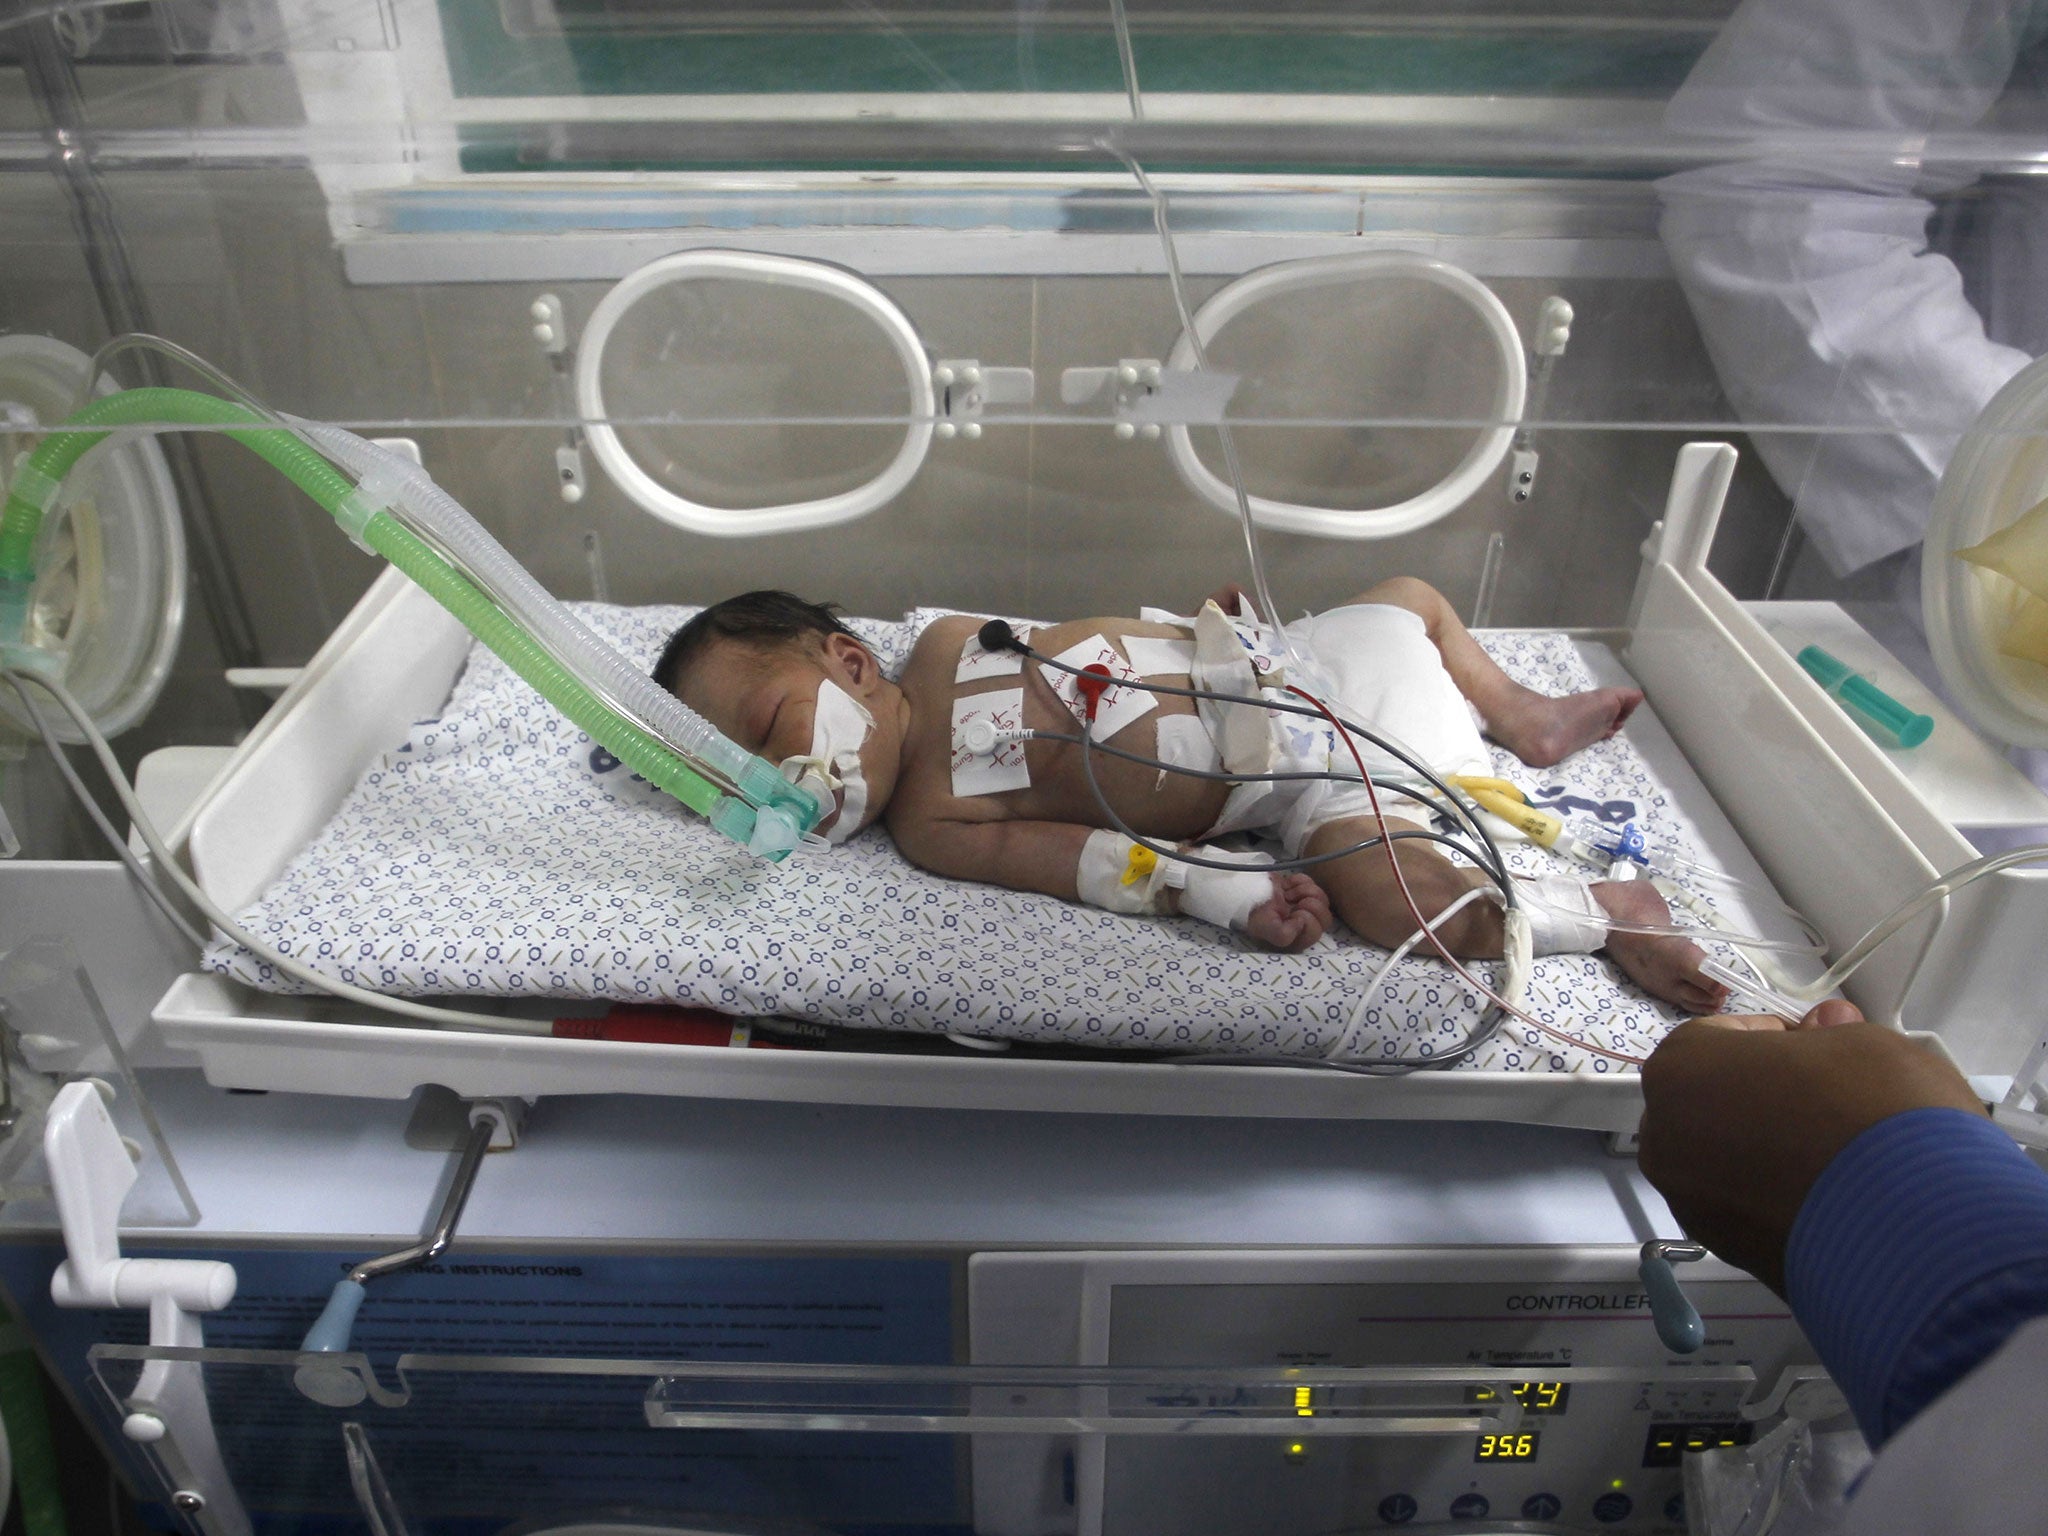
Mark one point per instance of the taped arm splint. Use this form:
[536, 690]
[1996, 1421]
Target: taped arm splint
[1119, 875]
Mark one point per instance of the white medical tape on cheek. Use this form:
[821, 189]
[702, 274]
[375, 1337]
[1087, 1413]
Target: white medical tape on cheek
[831, 771]
[843, 725]
[1117, 875]
[1564, 916]
[1159, 658]
[1005, 768]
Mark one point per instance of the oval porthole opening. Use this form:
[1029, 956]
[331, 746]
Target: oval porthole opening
[1384, 338]
[803, 395]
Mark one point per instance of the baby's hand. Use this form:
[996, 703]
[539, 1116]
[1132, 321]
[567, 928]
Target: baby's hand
[1294, 918]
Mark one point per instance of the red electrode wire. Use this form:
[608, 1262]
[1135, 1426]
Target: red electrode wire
[1090, 682]
[1415, 910]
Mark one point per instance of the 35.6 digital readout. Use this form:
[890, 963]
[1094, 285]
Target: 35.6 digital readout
[1547, 1397]
[1519, 1446]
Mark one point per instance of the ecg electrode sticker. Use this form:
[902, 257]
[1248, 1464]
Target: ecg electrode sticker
[1005, 768]
[977, 663]
[1119, 707]
[1159, 658]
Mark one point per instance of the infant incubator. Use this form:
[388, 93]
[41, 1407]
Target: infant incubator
[382, 382]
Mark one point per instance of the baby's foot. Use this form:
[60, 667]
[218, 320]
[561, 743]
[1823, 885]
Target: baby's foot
[1541, 730]
[1663, 965]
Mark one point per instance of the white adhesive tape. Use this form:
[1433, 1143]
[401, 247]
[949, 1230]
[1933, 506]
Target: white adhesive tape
[1154, 657]
[1564, 916]
[1186, 743]
[1225, 897]
[1101, 876]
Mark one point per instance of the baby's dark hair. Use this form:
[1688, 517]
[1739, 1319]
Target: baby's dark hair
[759, 619]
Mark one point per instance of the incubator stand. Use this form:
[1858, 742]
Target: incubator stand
[1027, 311]
[720, 1321]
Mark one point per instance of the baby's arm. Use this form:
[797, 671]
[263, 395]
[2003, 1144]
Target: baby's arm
[1077, 863]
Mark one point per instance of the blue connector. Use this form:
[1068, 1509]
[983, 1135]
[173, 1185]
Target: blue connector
[1628, 842]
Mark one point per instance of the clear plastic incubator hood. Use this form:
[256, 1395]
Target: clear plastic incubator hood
[1648, 342]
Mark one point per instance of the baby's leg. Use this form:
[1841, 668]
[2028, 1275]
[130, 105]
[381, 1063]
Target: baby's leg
[1363, 891]
[1365, 895]
[1537, 729]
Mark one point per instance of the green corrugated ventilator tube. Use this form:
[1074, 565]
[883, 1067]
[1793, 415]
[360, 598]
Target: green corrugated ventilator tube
[37, 476]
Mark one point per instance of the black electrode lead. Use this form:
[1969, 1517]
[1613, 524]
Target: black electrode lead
[996, 635]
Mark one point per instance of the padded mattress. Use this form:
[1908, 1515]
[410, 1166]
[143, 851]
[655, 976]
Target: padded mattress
[497, 851]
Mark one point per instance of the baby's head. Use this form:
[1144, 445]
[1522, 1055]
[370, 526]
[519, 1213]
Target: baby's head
[785, 679]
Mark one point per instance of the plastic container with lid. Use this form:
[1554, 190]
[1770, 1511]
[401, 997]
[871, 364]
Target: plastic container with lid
[1998, 473]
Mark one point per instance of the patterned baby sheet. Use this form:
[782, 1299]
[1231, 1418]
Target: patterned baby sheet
[498, 851]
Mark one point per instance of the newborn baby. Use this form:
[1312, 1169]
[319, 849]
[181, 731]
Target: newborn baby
[934, 756]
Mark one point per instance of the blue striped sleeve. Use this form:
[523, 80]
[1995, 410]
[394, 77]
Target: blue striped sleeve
[1916, 1253]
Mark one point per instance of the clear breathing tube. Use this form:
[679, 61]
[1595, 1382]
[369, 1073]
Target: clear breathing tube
[435, 515]
[432, 512]
[429, 515]
[395, 510]
[1940, 888]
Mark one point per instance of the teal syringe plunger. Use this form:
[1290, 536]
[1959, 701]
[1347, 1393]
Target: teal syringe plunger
[1883, 718]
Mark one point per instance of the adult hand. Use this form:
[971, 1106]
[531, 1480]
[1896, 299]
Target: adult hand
[1741, 1115]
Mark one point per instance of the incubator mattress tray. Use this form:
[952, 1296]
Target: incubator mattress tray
[495, 851]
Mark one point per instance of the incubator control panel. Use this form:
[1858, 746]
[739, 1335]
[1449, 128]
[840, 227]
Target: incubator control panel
[1607, 1413]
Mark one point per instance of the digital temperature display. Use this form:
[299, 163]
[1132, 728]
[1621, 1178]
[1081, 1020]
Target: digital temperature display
[1549, 1397]
[1520, 1446]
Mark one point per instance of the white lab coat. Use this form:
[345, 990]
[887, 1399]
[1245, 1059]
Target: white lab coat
[1974, 1463]
[1807, 257]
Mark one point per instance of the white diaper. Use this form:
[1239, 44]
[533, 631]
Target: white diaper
[1374, 664]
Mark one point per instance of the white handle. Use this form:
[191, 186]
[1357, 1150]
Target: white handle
[90, 1174]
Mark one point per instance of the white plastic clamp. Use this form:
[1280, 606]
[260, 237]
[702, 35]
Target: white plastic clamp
[375, 492]
[31, 485]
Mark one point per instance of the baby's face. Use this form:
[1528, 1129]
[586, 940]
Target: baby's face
[766, 700]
